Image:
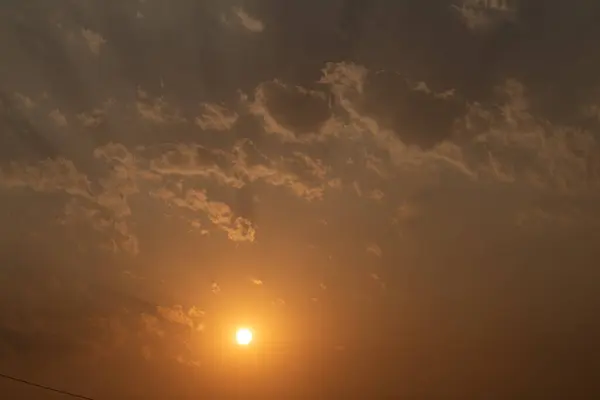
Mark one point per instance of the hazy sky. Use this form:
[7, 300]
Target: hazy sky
[401, 197]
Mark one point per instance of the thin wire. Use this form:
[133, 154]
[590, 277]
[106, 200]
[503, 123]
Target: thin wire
[51, 389]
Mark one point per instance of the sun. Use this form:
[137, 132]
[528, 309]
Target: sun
[243, 336]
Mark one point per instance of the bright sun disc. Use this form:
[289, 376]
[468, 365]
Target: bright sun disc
[243, 336]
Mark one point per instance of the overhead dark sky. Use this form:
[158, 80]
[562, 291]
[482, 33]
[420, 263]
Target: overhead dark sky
[400, 197]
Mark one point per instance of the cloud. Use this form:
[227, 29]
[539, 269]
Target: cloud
[485, 16]
[505, 145]
[92, 119]
[420, 117]
[156, 109]
[195, 312]
[58, 175]
[376, 195]
[292, 112]
[233, 170]
[151, 325]
[194, 161]
[551, 157]
[93, 40]
[117, 234]
[511, 126]
[374, 249]
[316, 167]
[592, 111]
[215, 117]
[252, 24]
[58, 118]
[220, 214]
[176, 315]
[344, 78]
[96, 206]
[26, 101]
[105, 203]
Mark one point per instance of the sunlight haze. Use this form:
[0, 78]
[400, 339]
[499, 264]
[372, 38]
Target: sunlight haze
[295, 199]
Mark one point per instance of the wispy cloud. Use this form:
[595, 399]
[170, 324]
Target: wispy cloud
[58, 118]
[247, 21]
[485, 15]
[215, 117]
[374, 249]
[156, 109]
[93, 40]
[26, 101]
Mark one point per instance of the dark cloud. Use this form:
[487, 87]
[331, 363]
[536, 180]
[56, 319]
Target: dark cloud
[298, 109]
[419, 116]
[549, 61]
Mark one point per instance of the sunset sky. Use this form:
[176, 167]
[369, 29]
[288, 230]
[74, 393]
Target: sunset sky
[401, 198]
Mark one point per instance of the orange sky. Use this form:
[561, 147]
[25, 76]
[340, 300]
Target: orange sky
[398, 197]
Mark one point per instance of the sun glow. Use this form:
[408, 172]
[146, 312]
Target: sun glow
[243, 336]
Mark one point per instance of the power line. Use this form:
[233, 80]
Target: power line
[48, 388]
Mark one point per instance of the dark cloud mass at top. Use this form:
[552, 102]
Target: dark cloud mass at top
[402, 195]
